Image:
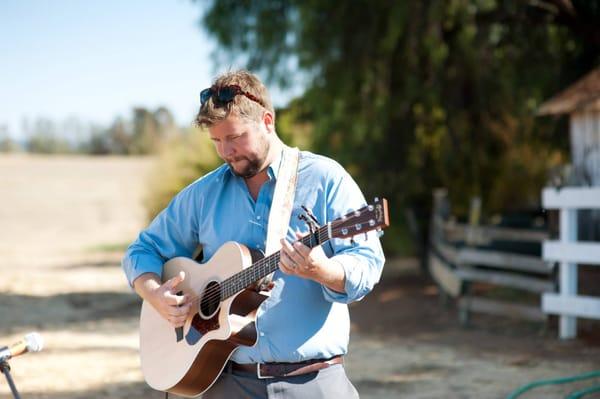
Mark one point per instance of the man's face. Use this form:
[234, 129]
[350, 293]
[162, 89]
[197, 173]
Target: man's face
[242, 144]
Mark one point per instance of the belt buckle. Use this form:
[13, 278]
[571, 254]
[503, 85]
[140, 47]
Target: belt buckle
[259, 375]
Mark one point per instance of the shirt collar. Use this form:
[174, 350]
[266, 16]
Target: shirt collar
[273, 169]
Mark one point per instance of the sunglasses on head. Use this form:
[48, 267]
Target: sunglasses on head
[225, 94]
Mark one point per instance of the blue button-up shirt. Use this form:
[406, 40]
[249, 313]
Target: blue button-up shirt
[302, 319]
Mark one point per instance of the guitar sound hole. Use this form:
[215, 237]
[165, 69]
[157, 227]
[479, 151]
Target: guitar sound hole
[211, 300]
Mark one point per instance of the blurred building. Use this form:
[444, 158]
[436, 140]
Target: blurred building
[581, 101]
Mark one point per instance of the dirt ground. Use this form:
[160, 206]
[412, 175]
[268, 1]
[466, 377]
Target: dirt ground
[64, 223]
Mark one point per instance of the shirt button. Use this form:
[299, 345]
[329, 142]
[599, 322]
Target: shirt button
[258, 217]
[262, 334]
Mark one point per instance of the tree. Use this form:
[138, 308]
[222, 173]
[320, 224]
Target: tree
[7, 144]
[414, 95]
[120, 137]
[43, 137]
[150, 129]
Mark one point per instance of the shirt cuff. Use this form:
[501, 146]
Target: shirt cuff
[136, 265]
[352, 276]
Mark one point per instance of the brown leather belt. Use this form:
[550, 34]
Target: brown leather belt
[270, 370]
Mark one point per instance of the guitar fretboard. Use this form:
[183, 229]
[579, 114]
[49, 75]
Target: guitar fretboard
[266, 266]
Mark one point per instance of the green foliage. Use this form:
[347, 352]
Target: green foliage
[180, 161]
[42, 143]
[142, 135]
[293, 127]
[149, 129]
[410, 96]
[9, 145]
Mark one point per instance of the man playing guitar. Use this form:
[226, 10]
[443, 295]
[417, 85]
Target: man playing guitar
[303, 325]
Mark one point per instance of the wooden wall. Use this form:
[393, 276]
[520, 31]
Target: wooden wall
[585, 146]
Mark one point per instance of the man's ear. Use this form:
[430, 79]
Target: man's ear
[269, 121]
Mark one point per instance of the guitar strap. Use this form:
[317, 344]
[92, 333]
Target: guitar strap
[281, 206]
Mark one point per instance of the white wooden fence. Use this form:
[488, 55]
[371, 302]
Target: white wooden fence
[460, 255]
[570, 252]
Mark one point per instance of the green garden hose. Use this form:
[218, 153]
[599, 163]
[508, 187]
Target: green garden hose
[582, 392]
[557, 381]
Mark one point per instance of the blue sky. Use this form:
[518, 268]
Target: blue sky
[97, 59]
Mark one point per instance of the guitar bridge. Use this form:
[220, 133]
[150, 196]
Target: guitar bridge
[179, 333]
[179, 330]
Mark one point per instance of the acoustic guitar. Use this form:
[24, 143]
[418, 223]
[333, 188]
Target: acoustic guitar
[186, 361]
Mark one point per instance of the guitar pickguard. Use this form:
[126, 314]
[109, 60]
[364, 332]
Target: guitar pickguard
[200, 327]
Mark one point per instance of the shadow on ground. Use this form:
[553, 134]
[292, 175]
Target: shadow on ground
[54, 311]
[113, 391]
[405, 305]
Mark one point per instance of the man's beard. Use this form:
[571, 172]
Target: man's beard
[254, 163]
[250, 170]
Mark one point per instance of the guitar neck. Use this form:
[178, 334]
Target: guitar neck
[370, 217]
[267, 265]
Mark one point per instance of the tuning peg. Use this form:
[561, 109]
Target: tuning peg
[366, 237]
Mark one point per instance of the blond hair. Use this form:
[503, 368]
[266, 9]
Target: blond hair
[212, 112]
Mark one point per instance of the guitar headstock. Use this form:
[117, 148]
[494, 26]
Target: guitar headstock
[370, 217]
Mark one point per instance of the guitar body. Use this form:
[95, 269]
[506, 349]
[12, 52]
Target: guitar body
[188, 360]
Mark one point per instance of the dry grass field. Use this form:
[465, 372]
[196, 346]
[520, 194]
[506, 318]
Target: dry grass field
[64, 224]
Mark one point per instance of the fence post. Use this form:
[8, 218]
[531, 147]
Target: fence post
[568, 270]
[440, 211]
[474, 221]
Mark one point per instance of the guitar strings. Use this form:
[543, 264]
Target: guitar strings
[213, 294]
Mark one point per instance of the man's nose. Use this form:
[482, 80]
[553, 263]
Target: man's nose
[227, 149]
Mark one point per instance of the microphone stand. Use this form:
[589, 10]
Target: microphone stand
[5, 369]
